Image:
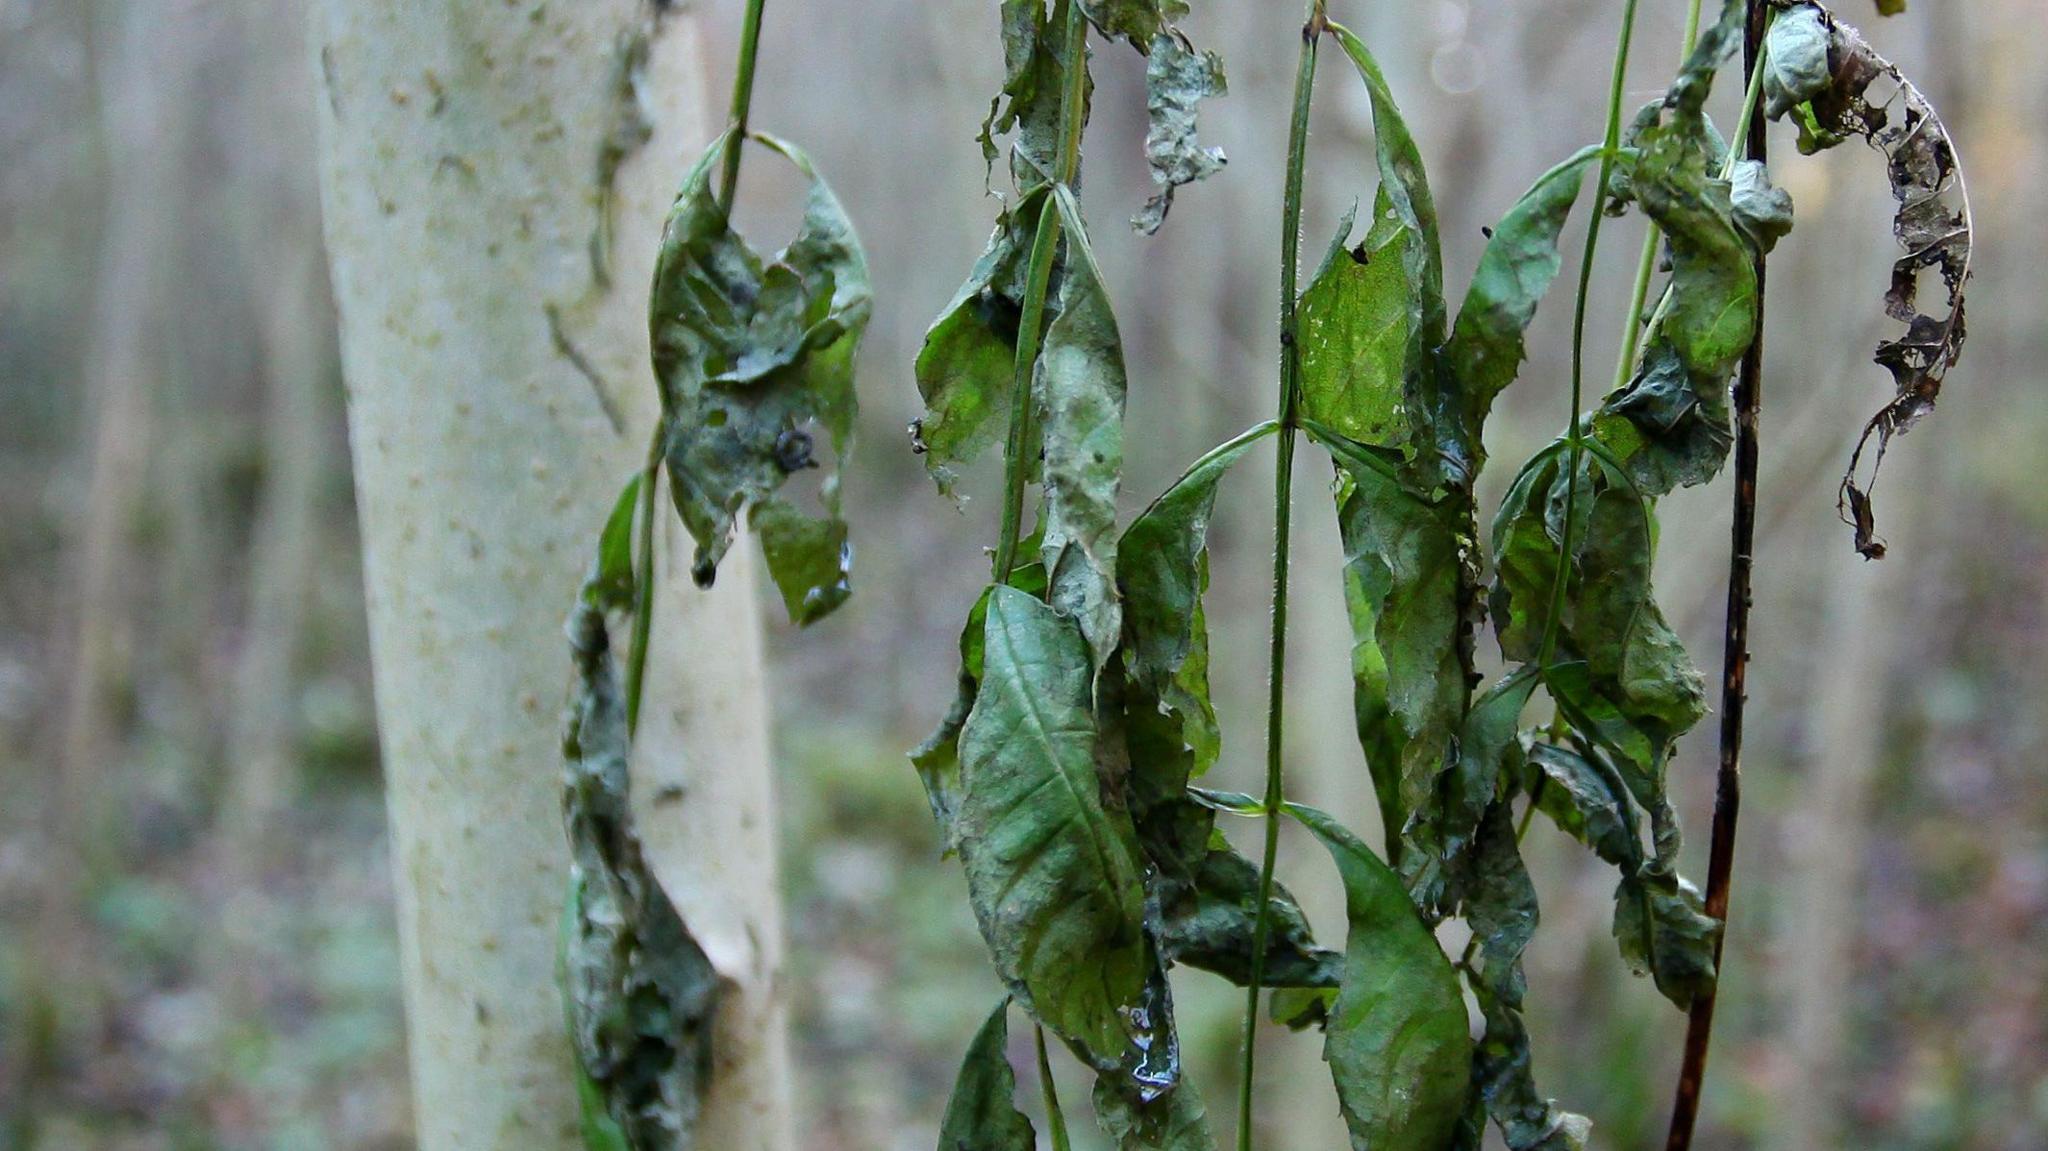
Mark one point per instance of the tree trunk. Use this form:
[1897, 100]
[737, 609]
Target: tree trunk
[499, 394]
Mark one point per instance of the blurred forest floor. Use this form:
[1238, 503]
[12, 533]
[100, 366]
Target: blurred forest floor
[196, 939]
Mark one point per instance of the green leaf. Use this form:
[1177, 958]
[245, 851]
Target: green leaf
[966, 370]
[1177, 80]
[1357, 341]
[1079, 387]
[755, 362]
[810, 559]
[982, 1114]
[1163, 572]
[1406, 187]
[1034, 72]
[1795, 60]
[1515, 271]
[1396, 1040]
[1891, 7]
[609, 586]
[1053, 873]
[641, 994]
[1404, 568]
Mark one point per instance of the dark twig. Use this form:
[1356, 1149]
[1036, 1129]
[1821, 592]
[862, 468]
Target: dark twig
[1735, 657]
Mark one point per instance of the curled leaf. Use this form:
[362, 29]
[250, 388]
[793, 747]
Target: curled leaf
[1867, 96]
[755, 363]
[1177, 80]
[1079, 386]
[641, 994]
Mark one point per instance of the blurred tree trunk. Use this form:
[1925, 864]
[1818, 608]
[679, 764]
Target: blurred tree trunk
[462, 182]
[144, 68]
[278, 238]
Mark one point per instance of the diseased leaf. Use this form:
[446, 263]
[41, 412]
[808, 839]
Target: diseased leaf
[1670, 424]
[640, 993]
[1501, 905]
[1177, 80]
[1795, 61]
[1034, 71]
[1404, 188]
[810, 559]
[1053, 872]
[1659, 921]
[1396, 1039]
[1212, 928]
[1868, 96]
[1763, 212]
[1611, 619]
[1403, 581]
[755, 362]
[1079, 388]
[1515, 272]
[982, 1113]
[1138, 21]
[1175, 1121]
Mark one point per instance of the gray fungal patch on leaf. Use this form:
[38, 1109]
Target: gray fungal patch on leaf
[1177, 80]
[755, 358]
[641, 994]
[1868, 96]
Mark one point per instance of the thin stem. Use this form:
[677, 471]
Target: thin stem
[643, 578]
[1735, 654]
[1283, 508]
[1037, 285]
[1646, 264]
[742, 101]
[1051, 1093]
[1611, 146]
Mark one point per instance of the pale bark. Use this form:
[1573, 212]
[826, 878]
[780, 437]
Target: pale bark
[461, 187]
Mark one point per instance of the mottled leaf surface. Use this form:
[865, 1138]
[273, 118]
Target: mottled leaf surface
[640, 993]
[1080, 403]
[1175, 1121]
[755, 363]
[1396, 1039]
[1357, 335]
[1053, 872]
[1177, 80]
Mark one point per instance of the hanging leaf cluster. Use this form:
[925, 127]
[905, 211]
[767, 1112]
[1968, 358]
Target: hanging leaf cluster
[753, 359]
[1067, 776]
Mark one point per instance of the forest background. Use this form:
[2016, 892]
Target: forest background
[176, 524]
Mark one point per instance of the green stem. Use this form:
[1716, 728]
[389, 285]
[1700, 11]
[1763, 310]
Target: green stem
[1037, 285]
[1051, 1092]
[1646, 264]
[1611, 147]
[643, 578]
[1283, 508]
[742, 101]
